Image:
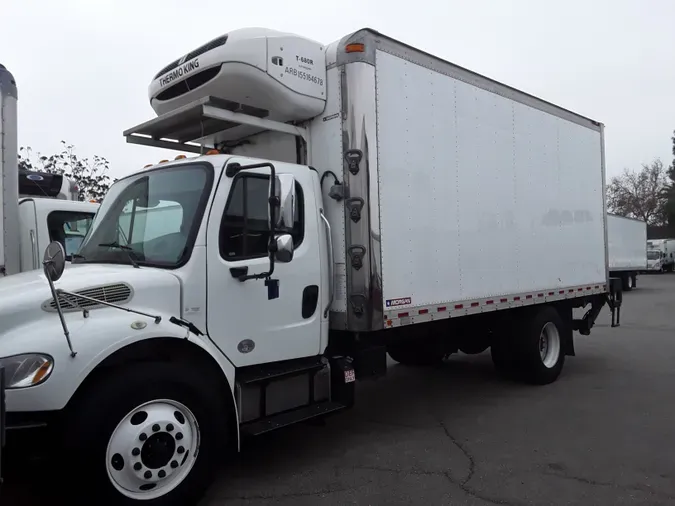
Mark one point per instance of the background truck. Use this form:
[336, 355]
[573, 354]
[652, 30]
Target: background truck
[36, 207]
[660, 255]
[349, 207]
[627, 249]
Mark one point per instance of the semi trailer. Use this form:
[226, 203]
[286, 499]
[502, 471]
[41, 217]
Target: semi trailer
[342, 204]
[36, 207]
[627, 249]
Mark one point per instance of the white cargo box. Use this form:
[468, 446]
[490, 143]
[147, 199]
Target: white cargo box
[479, 196]
[627, 243]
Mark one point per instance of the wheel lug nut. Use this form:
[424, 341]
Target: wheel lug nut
[179, 436]
[169, 428]
[181, 450]
[147, 475]
[156, 427]
[136, 452]
[161, 473]
[138, 466]
[174, 464]
[142, 437]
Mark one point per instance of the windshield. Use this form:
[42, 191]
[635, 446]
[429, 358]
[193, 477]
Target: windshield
[653, 255]
[150, 219]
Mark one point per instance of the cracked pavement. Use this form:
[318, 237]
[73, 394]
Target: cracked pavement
[603, 434]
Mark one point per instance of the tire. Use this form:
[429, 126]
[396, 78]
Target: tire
[185, 425]
[427, 352]
[627, 283]
[538, 365]
[634, 277]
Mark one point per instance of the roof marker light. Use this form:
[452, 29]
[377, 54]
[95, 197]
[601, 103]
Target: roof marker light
[355, 47]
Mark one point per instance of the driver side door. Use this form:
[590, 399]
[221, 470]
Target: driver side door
[243, 322]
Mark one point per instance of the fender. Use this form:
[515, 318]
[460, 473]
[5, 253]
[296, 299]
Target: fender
[95, 338]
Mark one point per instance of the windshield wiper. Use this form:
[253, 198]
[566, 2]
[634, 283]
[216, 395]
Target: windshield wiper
[129, 250]
[76, 256]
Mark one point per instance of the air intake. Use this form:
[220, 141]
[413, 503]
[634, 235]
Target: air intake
[118, 293]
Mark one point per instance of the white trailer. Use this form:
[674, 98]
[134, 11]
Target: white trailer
[35, 207]
[349, 208]
[627, 246]
[661, 255]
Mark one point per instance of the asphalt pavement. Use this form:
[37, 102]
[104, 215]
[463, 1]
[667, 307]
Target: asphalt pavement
[603, 434]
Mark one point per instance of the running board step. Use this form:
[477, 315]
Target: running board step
[276, 370]
[289, 418]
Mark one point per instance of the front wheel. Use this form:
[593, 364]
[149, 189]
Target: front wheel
[150, 435]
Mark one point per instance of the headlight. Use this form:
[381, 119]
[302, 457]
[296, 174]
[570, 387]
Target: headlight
[28, 370]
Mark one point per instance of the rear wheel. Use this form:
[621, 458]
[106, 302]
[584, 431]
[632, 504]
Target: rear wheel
[627, 282]
[533, 352]
[150, 435]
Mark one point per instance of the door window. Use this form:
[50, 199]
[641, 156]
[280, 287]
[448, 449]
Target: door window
[69, 228]
[244, 231]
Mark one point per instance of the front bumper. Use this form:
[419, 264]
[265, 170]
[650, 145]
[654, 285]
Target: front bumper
[30, 437]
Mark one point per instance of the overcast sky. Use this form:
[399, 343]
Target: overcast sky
[83, 66]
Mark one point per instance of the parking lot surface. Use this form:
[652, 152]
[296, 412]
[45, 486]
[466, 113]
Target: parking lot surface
[603, 434]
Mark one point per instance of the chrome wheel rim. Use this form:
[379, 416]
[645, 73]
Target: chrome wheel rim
[153, 449]
[549, 345]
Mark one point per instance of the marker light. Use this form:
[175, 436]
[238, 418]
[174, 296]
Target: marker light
[355, 47]
[180, 157]
[163, 161]
[213, 152]
[148, 165]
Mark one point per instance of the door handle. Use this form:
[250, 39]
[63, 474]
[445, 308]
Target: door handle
[238, 272]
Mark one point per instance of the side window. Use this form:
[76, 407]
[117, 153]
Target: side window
[244, 232]
[69, 228]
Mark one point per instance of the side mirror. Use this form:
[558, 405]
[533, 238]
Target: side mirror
[282, 203]
[285, 248]
[54, 261]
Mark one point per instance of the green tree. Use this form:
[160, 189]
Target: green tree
[640, 194]
[89, 174]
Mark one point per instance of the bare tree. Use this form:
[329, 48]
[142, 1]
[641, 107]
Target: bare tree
[640, 194]
[89, 174]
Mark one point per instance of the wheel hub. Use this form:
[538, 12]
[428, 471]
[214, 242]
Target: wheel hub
[549, 345]
[158, 450]
[153, 449]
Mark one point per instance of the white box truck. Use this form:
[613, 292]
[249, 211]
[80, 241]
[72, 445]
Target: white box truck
[627, 247]
[660, 255]
[35, 207]
[349, 207]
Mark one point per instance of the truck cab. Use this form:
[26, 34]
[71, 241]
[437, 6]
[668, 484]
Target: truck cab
[660, 255]
[43, 220]
[214, 238]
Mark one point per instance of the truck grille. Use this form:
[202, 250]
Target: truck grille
[220, 41]
[118, 293]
